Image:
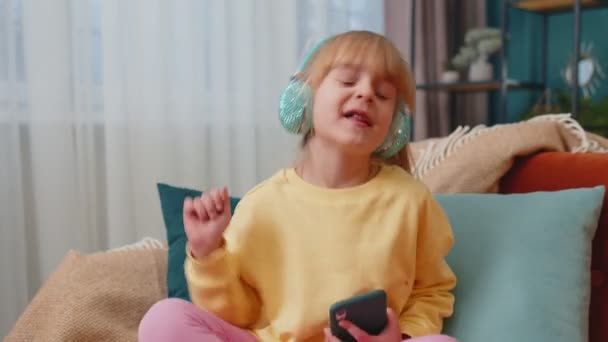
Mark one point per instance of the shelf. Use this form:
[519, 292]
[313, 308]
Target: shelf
[478, 86]
[552, 6]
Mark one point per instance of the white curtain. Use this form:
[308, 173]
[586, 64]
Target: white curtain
[102, 99]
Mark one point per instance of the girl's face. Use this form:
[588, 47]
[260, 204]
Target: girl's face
[353, 109]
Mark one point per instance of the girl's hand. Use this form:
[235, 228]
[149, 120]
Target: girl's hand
[205, 219]
[391, 333]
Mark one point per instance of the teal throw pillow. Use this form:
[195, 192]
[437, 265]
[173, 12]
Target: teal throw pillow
[523, 264]
[172, 204]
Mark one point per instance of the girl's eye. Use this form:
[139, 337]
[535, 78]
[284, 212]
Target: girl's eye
[348, 83]
[381, 96]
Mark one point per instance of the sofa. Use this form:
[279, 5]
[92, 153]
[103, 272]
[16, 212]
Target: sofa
[102, 296]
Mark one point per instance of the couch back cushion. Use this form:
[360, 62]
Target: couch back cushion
[552, 171]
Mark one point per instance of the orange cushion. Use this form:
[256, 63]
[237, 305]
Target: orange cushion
[552, 171]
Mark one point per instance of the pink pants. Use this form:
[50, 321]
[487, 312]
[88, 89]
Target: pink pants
[178, 320]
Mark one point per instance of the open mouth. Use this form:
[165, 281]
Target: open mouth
[359, 117]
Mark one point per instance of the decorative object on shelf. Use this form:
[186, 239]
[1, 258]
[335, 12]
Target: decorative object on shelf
[480, 43]
[450, 74]
[480, 70]
[590, 72]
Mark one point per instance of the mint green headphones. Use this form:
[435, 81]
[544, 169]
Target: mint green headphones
[295, 111]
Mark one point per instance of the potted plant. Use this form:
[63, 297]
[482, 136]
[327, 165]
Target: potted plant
[480, 43]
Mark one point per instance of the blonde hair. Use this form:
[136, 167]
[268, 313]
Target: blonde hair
[377, 54]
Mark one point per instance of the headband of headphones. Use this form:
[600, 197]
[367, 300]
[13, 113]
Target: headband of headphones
[310, 53]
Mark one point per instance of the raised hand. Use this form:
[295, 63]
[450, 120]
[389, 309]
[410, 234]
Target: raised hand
[205, 219]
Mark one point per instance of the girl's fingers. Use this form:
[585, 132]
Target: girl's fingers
[209, 205]
[189, 210]
[200, 209]
[354, 330]
[217, 197]
[226, 198]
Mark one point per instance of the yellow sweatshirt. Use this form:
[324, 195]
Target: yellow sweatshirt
[292, 249]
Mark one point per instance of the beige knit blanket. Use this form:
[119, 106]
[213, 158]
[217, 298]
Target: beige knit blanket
[103, 296]
[473, 160]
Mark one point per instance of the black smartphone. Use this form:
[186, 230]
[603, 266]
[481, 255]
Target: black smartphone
[367, 311]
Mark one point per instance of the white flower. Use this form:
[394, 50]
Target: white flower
[489, 46]
[478, 41]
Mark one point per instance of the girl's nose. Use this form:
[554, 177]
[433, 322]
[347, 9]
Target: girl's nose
[365, 91]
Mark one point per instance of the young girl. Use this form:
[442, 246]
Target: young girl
[346, 219]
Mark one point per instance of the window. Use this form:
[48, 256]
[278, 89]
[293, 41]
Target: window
[319, 18]
[11, 53]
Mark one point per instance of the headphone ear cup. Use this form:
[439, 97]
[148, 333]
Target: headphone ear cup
[397, 137]
[295, 107]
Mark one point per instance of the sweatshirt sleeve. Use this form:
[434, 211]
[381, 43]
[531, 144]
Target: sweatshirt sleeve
[431, 300]
[216, 283]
